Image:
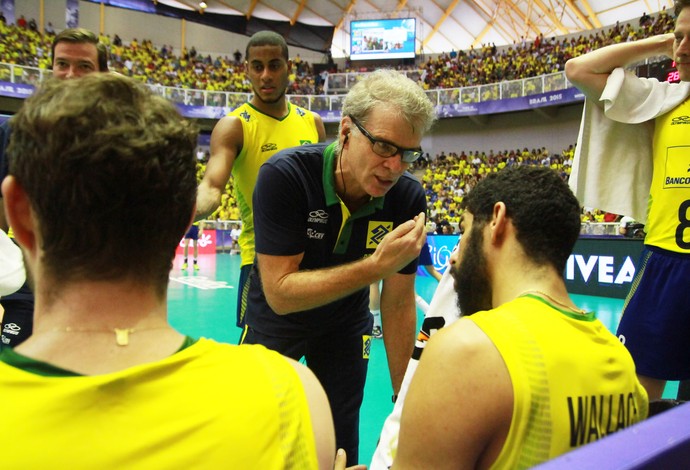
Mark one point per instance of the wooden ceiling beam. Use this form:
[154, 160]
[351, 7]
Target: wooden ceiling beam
[438, 24]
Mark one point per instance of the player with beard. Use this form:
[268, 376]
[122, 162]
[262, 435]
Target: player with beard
[524, 375]
[242, 141]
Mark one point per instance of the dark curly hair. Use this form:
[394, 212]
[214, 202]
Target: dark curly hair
[540, 205]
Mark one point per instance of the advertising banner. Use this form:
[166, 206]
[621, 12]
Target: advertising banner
[600, 266]
[440, 246]
[603, 266]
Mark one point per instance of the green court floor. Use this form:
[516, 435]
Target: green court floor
[203, 303]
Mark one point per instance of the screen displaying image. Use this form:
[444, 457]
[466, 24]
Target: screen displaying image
[382, 39]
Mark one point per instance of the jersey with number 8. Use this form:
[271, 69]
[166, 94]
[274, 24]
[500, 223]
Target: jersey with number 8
[668, 221]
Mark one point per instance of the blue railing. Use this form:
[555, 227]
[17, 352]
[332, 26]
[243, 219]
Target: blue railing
[545, 90]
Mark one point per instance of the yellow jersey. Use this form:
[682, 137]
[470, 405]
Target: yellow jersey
[210, 405]
[573, 381]
[264, 135]
[668, 212]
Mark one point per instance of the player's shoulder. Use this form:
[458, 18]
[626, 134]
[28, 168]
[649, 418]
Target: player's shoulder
[409, 184]
[245, 112]
[462, 339]
[307, 155]
[228, 128]
[298, 110]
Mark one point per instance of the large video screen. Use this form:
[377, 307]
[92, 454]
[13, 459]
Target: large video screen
[382, 39]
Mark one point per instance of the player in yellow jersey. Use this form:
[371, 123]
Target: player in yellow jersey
[524, 375]
[242, 141]
[644, 131]
[104, 379]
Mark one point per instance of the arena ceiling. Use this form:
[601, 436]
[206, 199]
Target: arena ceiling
[442, 25]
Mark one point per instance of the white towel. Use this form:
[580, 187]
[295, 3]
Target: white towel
[612, 169]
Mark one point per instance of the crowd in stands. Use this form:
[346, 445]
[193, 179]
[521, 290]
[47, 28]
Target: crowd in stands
[23, 44]
[529, 58]
[446, 177]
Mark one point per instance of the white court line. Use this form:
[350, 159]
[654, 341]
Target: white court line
[201, 282]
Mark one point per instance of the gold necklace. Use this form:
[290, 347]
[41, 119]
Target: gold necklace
[555, 301]
[121, 334]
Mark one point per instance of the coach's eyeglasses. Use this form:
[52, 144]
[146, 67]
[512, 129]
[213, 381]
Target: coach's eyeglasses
[386, 149]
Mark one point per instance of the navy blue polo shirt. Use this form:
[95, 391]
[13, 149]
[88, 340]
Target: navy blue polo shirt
[297, 210]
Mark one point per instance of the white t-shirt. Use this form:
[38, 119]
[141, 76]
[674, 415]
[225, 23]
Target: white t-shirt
[12, 274]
